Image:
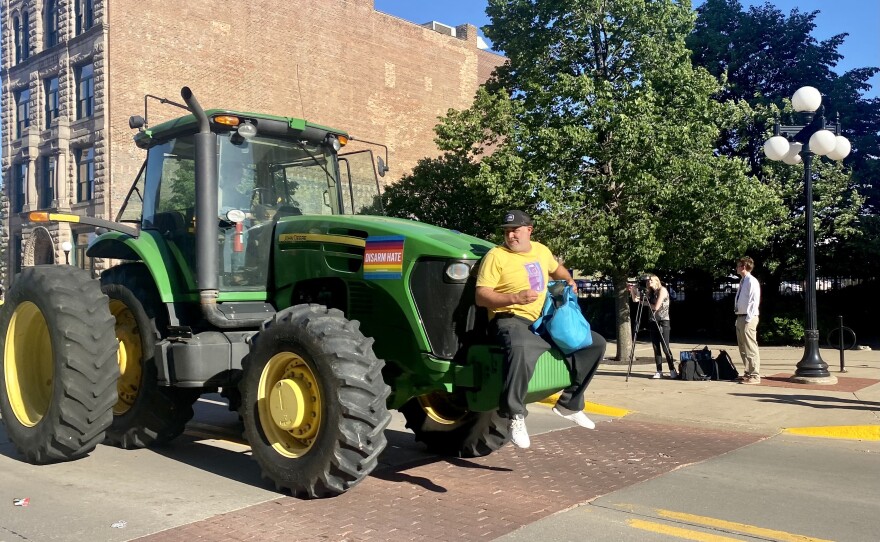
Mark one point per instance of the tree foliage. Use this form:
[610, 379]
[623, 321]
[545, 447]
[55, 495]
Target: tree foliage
[764, 56]
[439, 192]
[613, 140]
[633, 159]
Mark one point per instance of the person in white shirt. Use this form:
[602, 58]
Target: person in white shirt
[748, 297]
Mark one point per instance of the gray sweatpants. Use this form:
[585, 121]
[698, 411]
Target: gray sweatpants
[522, 349]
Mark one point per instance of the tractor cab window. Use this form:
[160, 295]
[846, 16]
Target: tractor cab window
[133, 207]
[262, 179]
[170, 187]
[169, 195]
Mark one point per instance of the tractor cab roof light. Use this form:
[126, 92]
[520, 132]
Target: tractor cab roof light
[227, 120]
[333, 141]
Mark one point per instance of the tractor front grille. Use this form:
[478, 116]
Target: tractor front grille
[446, 308]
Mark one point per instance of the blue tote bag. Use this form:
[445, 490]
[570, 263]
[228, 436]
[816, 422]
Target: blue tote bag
[561, 319]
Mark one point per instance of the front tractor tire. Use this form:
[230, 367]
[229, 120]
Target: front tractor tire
[145, 414]
[59, 364]
[313, 402]
[444, 424]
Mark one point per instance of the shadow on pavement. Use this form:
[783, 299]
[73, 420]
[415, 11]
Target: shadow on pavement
[814, 401]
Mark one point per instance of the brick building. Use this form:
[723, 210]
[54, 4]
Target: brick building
[73, 71]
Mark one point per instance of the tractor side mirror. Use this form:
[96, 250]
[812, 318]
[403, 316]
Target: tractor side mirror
[382, 169]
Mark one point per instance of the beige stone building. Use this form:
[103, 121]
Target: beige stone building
[73, 71]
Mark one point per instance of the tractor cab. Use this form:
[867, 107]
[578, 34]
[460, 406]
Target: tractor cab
[258, 169]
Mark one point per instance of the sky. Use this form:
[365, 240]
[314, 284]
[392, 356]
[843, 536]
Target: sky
[859, 18]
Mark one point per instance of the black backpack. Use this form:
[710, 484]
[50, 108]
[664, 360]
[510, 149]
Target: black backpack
[726, 368]
[690, 369]
[697, 365]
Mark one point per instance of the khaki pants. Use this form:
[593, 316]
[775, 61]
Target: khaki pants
[747, 340]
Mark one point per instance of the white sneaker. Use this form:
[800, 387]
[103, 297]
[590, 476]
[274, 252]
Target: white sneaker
[673, 375]
[658, 374]
[577, 417]
[518, 434]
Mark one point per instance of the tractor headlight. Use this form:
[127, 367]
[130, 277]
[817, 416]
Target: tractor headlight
[457, 271]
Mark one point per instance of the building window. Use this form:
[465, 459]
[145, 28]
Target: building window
[51, 85]
[16, 32]
[19, 184]
[46, 190]
[52, 15]
[25, 36]
[85, 174]
[85, 15]
[22, 111]
[85, 91]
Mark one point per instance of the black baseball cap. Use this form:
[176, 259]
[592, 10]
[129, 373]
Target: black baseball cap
[515, 219]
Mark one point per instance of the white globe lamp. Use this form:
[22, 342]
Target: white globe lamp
[806, 100]
[823, 142]
[793, 157]
[841, 149]
[776, 147]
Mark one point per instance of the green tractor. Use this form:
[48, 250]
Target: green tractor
[250, 268]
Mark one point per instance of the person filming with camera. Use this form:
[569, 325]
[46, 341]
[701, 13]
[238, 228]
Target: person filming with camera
[655, 296]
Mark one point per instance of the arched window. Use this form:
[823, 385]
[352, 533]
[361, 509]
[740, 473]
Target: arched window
[52, 15]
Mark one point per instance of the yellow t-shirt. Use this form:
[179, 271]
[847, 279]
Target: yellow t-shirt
[509, 272]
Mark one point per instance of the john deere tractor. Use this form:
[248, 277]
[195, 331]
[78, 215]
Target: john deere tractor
[249, 268]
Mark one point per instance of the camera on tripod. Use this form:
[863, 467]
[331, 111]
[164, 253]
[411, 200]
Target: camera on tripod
[644, 281]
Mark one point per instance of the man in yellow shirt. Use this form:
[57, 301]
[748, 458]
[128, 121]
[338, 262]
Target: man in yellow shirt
[512, 285]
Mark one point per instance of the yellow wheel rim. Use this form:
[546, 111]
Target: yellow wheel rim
[129, 356]
[289, 404]
[440, 408]
[29, 364]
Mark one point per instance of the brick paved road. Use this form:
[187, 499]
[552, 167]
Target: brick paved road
[469, 499]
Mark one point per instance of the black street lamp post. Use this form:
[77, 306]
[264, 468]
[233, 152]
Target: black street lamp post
[66, 247]
[814, 137]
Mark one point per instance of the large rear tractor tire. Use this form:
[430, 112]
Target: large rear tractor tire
[444, 424]
[59, 364]
[145, 414]
[313, 402]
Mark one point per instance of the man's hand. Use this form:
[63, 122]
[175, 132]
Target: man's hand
[489, 298]
[525, 297]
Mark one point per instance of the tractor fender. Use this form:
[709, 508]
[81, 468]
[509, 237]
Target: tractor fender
[144, 248]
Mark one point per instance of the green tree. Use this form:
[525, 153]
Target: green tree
[765, 56]
[438, 192]
[446, 191]
[610, 140]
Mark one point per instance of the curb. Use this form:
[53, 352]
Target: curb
[846, 432]
[850, 432]
[592, 408]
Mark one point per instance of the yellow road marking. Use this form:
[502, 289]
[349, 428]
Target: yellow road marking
[782, 536]
[592, 408]
[857, 432]
[677, 532]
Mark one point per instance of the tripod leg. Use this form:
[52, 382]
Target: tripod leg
[632, 351]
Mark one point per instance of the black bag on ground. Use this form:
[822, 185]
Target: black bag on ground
[697, 364]
[690, 369]
[726, 368]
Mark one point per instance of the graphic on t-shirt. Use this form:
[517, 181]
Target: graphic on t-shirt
[536, 276]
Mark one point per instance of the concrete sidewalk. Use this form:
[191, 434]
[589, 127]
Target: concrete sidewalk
[849, 409]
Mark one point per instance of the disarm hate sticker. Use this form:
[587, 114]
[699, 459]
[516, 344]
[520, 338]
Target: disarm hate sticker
[383, 257]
